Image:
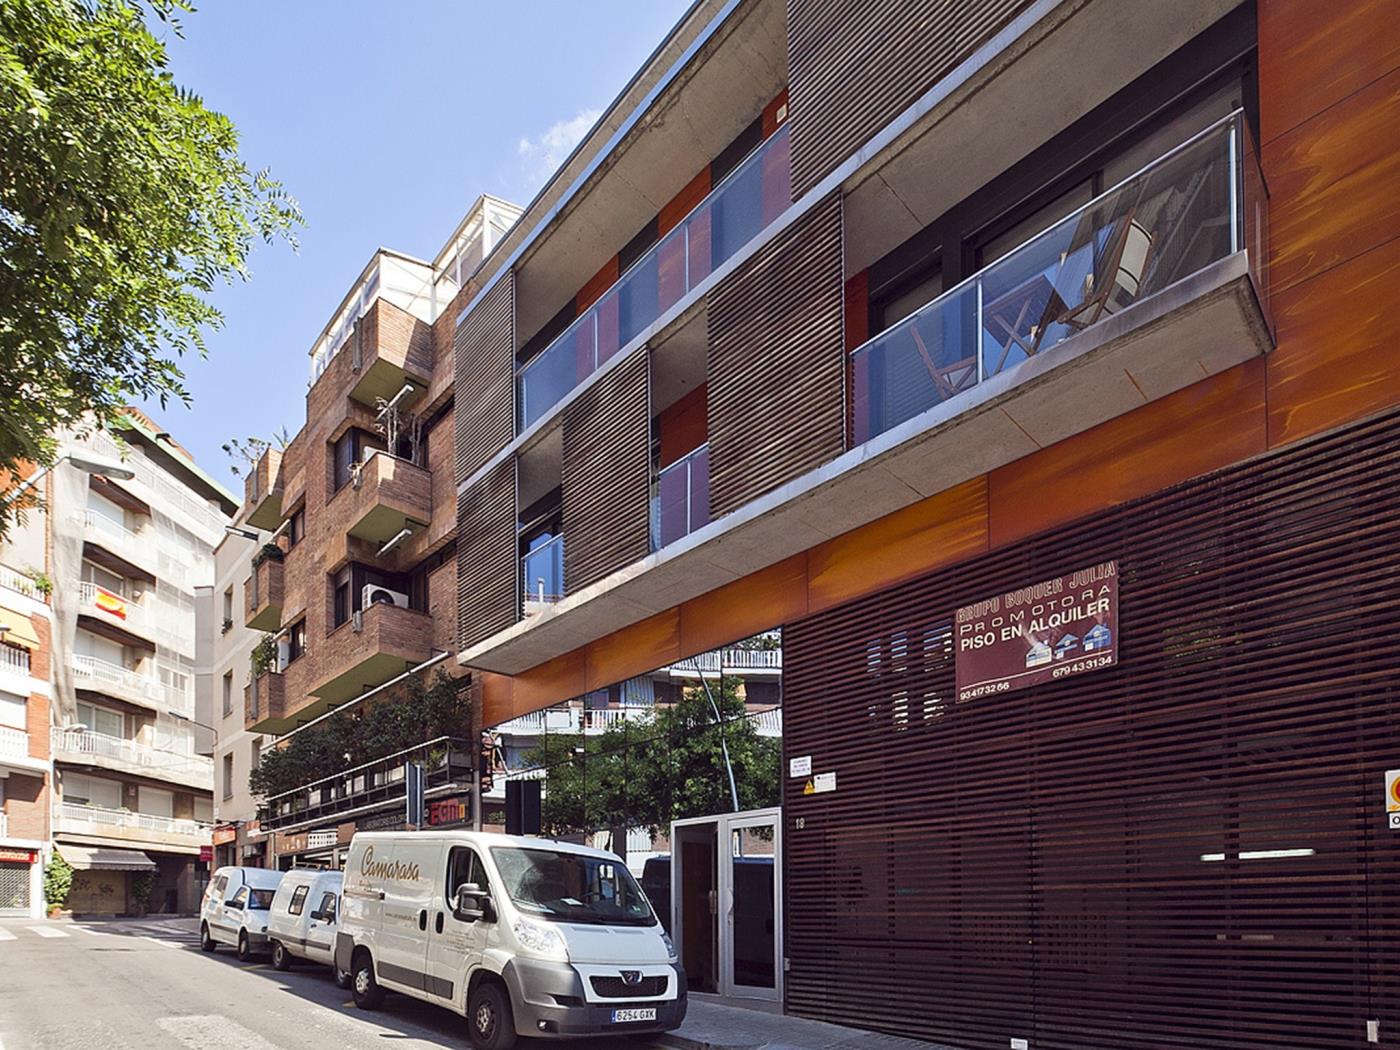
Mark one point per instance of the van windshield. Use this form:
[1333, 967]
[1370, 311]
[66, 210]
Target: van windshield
[570, 887]
[260, 900]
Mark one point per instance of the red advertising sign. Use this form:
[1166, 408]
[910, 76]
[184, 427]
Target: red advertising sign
[1047, 631]
[225, 834]
[447, 811]
[206, 853]
[24, 856]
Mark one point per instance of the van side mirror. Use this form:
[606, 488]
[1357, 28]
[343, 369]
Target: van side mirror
[318, 916]
[473, 904]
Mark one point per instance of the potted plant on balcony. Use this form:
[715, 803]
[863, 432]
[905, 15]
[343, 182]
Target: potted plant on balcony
[268, 552]
[42, 583]
[264, 656]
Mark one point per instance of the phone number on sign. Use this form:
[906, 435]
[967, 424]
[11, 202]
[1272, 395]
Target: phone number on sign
[1082, 665]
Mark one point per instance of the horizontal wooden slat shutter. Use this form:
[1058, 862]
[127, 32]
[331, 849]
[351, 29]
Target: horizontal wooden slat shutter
[484, 378]
[1188, 849]
[776, 375]
[606, 474]
[488, 588]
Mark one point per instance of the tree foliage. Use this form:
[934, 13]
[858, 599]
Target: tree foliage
[648, 774]
[123, 203]
[415, 712]
[58, 880]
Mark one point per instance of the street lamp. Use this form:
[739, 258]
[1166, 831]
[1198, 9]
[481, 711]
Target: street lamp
[196, 722]
[247, 534]
[87, 462]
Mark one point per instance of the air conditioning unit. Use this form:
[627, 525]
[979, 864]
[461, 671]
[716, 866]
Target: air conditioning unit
[376, 595]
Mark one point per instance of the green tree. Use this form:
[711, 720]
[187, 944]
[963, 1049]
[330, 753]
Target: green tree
[58, 880]
[123, 203]
[648, 774]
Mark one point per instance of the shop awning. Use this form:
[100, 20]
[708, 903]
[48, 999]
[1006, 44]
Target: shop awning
[100, 858]
[19, 631]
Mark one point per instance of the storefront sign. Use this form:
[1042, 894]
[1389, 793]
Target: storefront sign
[225, 834]
[1392, 798]
[392, 821]
[320, 839]
[293, 843]
[23, 856]
[1050, 630]
[206, 853]
[448, 811]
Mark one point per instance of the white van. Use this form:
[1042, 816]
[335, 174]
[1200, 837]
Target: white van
[522, 936]
[235, 909]
[303, 919]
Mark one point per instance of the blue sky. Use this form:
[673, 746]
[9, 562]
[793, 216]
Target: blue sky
[385, 120]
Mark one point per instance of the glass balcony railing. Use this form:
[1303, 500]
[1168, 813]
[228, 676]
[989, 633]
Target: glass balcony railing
[745, 202]
[542, 574]
[1190, 208]
[682, 500]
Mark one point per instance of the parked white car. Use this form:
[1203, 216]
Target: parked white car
[235, 909]
[522, 936]
[304, 919]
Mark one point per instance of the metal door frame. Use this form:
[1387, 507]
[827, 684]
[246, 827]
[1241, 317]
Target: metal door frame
[724, 825]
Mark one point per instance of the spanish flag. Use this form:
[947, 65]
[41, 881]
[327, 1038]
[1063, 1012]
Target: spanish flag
[110, 603]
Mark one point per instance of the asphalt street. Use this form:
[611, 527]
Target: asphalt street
[145, 985]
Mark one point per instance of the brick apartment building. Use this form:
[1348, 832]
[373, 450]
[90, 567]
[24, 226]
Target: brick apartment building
[885, 327]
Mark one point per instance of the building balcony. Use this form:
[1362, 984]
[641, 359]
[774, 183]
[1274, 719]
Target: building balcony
[15, 754]
[542, 575]
[682, 500]
[265, 704]
[1148, 289]
[262, 592]
[262, 491]
[379, 643]
[15, 670]
[120, 683]
[151, 829]
[743, 204]
[116, 616]
[87, 748]
[385, 496]
[447, 762]
[738, 663]
[389, 351]
[381, 330]
[117, 548]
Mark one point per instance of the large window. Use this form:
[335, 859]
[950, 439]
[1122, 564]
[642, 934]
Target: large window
[350, 449]
[101, 720]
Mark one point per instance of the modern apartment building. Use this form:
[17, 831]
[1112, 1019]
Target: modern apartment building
[122, 553]
[1028, 365]
[236, 751]
[357, 583]
[26, 790]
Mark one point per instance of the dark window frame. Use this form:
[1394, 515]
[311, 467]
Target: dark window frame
[298, 902]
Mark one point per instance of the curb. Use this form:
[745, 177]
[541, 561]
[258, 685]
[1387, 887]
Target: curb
[683, 1042]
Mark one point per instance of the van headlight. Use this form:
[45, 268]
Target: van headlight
[671, 954]
[540, 939]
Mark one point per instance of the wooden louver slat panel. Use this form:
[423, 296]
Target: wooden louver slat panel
[484, 378]
[1188, 849]
[776, 369]
[606, 474]
[851, 73]
[488, 588]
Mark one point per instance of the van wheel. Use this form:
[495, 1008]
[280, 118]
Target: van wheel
[365, 989]
[206, 942]
[342, 978]
[244, 952]
[281, 959]
[489, 1014]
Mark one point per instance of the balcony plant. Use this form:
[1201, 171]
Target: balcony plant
[264, 656]
[227, 626]
[42, 583]
[268, 552]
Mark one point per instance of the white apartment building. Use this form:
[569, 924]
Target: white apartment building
[237, 836]
[124, 556]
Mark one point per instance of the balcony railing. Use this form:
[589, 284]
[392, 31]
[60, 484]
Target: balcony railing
[14, 661]
[160, 484]
[542, 574]
[14, 743]
[445, 760]
[80, 813]
[18, 581]
[4, 826]
[80, 743]
[92, 672]
[745, 202]
[682, 501]
[1194, 206]
[114, 607]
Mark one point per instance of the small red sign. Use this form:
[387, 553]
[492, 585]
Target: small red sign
[206, 853]
[25, 856]
[1050, 630]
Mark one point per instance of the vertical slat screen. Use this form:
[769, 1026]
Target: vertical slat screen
[484, 378]
[776, 369]
[852, 73]
[488, 588]
[1188, 849]
[606, 474]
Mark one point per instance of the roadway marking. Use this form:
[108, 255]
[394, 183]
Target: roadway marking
[47, 931]
[89, 929]
[163, 944]
[6, 935]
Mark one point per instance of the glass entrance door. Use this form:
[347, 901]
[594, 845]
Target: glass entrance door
[726, 903]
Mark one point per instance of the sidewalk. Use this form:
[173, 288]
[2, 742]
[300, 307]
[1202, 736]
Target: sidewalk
[712, 1026]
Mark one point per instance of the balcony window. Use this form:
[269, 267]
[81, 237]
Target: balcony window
[682, 501]
[542, 570]
[296, 527]
[1190, 208]
[13, 711]
[740, 207]
[102, 721]
[296, 640]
